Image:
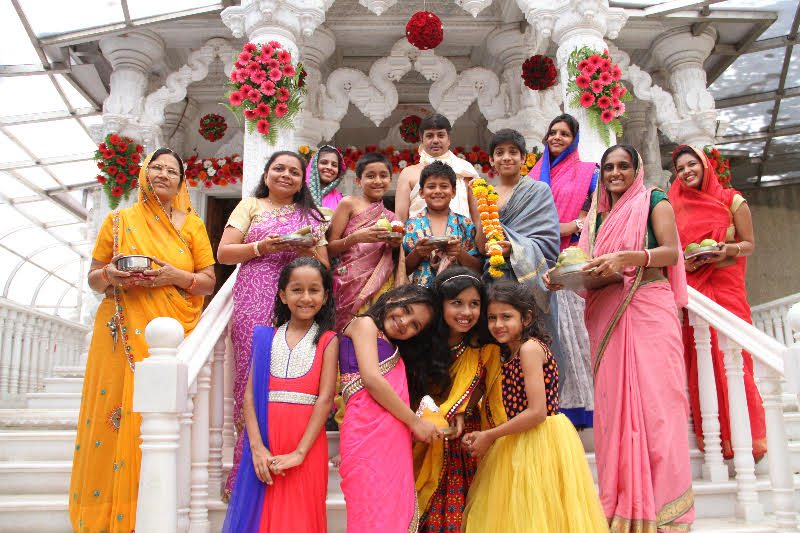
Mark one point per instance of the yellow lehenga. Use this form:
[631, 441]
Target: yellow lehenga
[105, 469]
[442, 469]
[537, 481]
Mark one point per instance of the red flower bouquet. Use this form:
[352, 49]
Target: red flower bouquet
[595, 85]
[409, 129]
[212, 171]
[119, 160]
[424, 30]
[265, 88]
[212, 127]
[720, 164]
[539, 73]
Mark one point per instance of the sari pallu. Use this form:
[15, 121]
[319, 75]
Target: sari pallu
[377, 468]
[706, 214]
[105, 473]
[530, 222]
[325, 195]
[641, 409]
[443, 470]
[364, 269]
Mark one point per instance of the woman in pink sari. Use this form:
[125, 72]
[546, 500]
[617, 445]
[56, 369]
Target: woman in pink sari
[641, 408]
[366, 261]
[375, 443]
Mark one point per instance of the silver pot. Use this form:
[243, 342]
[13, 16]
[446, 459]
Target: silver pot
[133, 263]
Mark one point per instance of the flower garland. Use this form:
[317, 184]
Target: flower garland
[118, 159]
[264, 87]
[595, 85]
[212, 171]
[490, 222]
[212, 127]
[720, 164]
[424, 30]
[530, 161]
[539, 72]
[409, 129]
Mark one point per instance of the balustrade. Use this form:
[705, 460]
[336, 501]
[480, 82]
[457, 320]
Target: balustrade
[773, 318]
[32, 343]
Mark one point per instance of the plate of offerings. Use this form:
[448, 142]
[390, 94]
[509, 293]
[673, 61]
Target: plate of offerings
[133, 263]
[705, 249]
[439, 241]
[301, 237]
[570, 274]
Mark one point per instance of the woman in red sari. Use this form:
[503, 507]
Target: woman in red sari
[704, 209]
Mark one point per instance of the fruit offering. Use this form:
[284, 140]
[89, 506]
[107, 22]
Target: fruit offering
[691, 247]
[384, 223]
[571, 256]
[398, 226]
[428, 410]
[708, 242]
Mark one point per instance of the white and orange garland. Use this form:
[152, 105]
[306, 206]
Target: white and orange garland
[490, 223]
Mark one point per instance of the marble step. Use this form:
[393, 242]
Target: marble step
[59, 384]
[36, 445]
[54, 400]
[42, 478]
[39, 418]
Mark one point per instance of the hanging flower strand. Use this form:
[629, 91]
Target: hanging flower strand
[490, 222]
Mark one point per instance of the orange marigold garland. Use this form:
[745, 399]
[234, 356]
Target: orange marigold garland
[490, 222]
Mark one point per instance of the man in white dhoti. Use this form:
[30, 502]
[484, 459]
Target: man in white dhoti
[435, 146]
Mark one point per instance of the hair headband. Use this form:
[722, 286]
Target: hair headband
[470, 276]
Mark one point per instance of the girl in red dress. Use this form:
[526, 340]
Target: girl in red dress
[282, 483]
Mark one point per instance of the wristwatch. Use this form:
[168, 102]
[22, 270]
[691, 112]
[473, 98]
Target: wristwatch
[579, 223]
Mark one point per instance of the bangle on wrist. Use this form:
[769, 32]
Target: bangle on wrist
[649, 258]
[256, 251]
[579, 225]
[104, 275]
[738, 249]
[193, 284]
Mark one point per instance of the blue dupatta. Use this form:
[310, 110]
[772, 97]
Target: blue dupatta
[544, 171]
[244, 509]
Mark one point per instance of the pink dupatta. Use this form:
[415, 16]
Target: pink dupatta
[363, 269]
[641, 408]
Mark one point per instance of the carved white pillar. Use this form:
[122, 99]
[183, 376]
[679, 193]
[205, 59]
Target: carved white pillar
[16, 353]
[278, 20]
[747, 504]
[36, 355]
[25, 358]
[713, 468]
[173, 131]
[681, 54]
[529, 112]
[216, 418]
[159, 394]
[573, 25]
[228, 427]
[641, 132]
[310, 126]
[5, 349]
[198, 506]
[185, 460]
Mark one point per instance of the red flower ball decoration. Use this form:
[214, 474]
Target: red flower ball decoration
[424, 30]
[539, 73]
[409, 129]
[720, 164]
[118, 159]
[212, 127]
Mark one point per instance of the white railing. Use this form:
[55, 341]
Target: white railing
[773, 318]
[772, 363]
[32, 343]
[185, 398]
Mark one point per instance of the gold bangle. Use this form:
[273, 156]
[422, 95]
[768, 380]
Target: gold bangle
[738, 249]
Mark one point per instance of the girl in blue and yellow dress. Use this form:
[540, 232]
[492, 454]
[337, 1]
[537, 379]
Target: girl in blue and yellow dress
[531, 461]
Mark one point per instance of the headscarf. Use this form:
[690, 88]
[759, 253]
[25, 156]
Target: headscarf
[624, 227]
[318, 192]
[546, 165]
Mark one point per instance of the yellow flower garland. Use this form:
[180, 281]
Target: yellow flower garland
[490, 223]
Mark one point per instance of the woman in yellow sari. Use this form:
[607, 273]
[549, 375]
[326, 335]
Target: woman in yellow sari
[443, 469]
[162, 225]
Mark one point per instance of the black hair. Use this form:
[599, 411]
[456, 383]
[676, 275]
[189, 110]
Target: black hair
[624, 146]
[435, 122]
[368, 159]
[302, 197]
[331, 150]
[518, 296]
[507, 135]
[573, 125]
[439, 169]
[161, 151]
[682, 150]
[424, 370]
[448, 285]
[326, 316]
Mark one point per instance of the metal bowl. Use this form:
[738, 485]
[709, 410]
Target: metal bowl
[391, 235]
[133, 263]
[439, 241]
[306, 240]
[702, 252]
[574, 278]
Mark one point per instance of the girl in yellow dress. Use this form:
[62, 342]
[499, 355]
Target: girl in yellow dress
[443, 469]
[531, 461]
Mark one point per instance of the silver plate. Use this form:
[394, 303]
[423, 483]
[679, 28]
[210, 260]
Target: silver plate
[438, 241]
[133, 263]
[703, 251]
[298, 240]
[574, 278]
[391, 235]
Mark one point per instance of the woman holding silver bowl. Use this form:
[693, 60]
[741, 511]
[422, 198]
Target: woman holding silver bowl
[264, 233]
[160, 230]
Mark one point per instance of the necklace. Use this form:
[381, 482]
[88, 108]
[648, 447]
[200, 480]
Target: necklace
[457, 350]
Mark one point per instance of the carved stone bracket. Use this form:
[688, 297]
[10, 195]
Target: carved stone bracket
[296, 17]
[378, 7]
[473, 7]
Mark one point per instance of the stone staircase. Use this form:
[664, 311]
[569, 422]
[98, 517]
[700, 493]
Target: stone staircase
[36, 445]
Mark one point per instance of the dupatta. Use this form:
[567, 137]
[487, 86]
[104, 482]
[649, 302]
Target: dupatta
[326, 196]
[703, 213]
[569, 179]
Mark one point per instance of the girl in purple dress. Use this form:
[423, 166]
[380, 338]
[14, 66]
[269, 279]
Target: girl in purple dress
[255, 237]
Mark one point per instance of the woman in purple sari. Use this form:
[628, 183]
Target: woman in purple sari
[255, 237]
